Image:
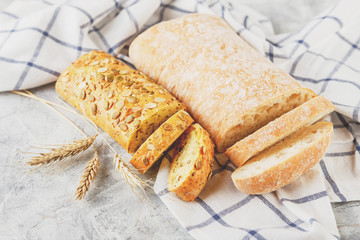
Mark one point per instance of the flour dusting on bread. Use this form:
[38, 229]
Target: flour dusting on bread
[222, 80]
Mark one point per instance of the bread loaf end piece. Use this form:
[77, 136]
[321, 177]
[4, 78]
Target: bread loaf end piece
[122, 101]
[191, 166]
[307, 113]
[153, 148]
[285, 161]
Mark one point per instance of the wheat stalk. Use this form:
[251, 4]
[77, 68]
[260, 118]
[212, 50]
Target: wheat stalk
[65, 151]
[88, 177]
[33, 96]
[125, 171]
[130, 177]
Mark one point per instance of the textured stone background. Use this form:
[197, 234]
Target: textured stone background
[39, 205]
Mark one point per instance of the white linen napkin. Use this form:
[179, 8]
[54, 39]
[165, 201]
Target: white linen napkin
[39, 39]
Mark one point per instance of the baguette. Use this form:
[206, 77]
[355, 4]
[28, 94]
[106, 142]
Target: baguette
[228, 87]
[285, 161]
[191, 166]
[154, 147]
[123, 102]
[307, 113]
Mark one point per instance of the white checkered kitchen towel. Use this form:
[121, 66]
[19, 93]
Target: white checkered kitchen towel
[38, 39]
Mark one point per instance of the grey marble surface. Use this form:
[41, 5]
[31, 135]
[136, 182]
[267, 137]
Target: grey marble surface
[348, 219]
[39, 204]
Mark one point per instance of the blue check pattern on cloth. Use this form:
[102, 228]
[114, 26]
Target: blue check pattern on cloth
[39, 39]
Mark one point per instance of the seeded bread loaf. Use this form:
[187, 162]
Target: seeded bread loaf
[307, 113]
[154, 147]
[123, 102]
[285, 161]
[228, 87]
[191, 166]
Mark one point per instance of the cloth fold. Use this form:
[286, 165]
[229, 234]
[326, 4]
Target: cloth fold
[38, 39]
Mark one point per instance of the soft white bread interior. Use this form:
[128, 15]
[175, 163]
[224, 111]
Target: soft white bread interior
[307, 113]
[285, 161]
[191, 166]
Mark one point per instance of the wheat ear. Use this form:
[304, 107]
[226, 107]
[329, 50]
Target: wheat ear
[65, 151]
[130, 177]
[88, 177]
[125, 171]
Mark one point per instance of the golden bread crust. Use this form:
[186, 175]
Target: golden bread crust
[122, 101]
[214, 72]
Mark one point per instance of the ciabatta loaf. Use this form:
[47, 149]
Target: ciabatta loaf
[228, 87]
[285, 161]
[191, 166]
[122, 101]
[154, 147]
[307, 113]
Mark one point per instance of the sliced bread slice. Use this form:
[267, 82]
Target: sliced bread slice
[260, 115]
[306, 114]
[191, 166]
[285, 161]
[153, 148]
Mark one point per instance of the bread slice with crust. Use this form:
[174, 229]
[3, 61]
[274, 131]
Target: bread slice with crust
[154, 147]
[307, 113]
[191, 166]
[285, 161]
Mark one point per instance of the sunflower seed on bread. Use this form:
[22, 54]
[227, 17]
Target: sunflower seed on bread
[153, 148]
[105, 79]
